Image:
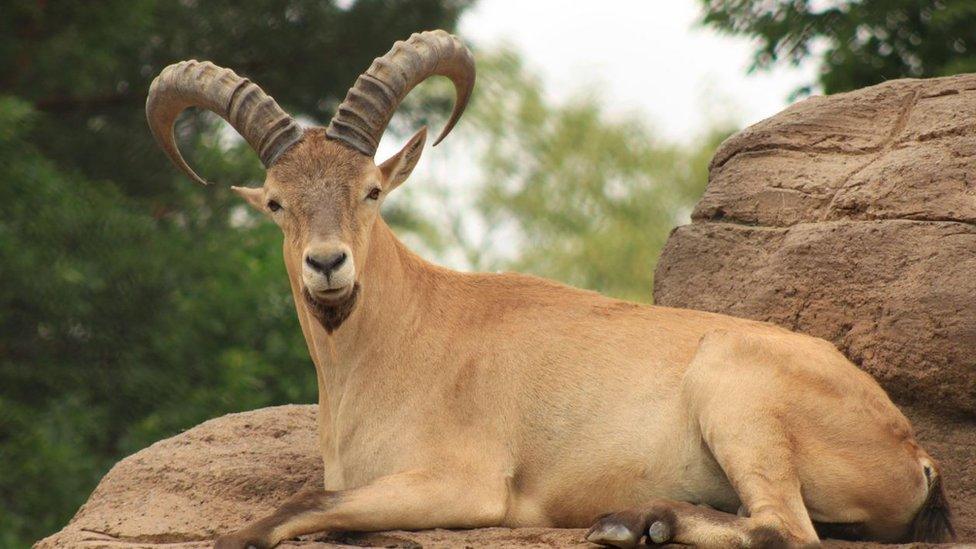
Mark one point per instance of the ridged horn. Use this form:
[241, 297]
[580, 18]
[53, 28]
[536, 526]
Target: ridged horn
[254, 114]
[364, 114]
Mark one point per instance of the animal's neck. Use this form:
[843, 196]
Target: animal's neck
[395, 286]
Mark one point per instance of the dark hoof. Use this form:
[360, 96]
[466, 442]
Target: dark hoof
[626, 529]
[659, 531]
[612, 534]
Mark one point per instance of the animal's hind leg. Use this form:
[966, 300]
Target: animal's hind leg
[733, 407]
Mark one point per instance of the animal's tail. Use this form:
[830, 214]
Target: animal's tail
[933, 522]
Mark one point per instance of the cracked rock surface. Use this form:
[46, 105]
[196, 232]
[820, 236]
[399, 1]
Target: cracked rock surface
[180, 493]
[853, 218]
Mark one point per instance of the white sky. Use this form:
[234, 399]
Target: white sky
[647, 56]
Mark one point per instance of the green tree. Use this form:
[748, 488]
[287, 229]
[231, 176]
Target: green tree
[132, 303]
[118, 330]
[566, 190]
[858, 42]
[89, 66]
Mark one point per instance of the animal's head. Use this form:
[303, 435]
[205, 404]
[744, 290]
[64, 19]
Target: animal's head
[323, 187]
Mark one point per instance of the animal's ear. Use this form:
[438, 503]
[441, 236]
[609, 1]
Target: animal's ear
[253, 195]
[398, 167]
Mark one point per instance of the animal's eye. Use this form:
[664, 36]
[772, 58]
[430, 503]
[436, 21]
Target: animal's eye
[273, 205]
[374, 193]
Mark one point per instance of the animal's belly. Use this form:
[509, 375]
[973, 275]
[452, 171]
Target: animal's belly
[622, 458]
[574, 499]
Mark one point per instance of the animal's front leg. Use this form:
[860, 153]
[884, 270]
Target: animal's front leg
[667, 521]
[412, 500]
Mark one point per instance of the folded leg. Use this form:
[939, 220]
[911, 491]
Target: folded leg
[728, 396]
[411, 500]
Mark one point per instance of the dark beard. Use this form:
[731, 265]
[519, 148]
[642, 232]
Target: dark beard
[332, 314]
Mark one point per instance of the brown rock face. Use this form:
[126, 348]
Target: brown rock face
[183, 491]
[853, 218]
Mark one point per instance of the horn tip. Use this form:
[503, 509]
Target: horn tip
[447, 129]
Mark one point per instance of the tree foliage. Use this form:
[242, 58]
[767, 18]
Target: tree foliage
[863, 42]
[118, 330]
[90, 66]
[133, 304]
[572, 192]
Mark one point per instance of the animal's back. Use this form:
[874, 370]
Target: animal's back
[597, 383]
[601, 422]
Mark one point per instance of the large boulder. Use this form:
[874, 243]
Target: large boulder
[853, 218]
[183, 491]
[180, 493]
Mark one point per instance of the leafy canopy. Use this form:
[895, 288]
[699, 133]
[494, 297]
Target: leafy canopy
[858, 42]
[569, 191]
[134, 304]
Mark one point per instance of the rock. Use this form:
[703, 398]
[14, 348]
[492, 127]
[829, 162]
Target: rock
[853, 218]
[896, 296]
[210, 479]
[183, 491]
[180, 492]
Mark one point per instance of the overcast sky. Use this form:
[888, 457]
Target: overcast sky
[648, 55]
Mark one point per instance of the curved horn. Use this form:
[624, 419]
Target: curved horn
[254, 114]
[364, 114]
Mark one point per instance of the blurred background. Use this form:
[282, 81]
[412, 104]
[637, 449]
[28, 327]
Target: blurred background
[134, 304]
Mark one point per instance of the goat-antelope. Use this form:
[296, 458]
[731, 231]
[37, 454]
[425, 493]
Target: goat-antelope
[462, 400]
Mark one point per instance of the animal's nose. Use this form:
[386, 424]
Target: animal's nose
[325, 263]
